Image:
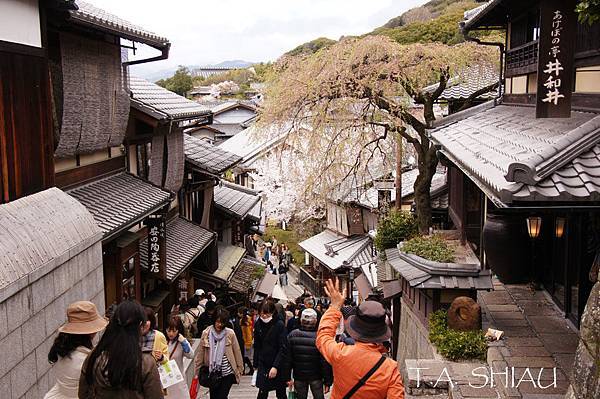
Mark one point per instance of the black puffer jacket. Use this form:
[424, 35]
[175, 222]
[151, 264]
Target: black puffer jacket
[305, 359]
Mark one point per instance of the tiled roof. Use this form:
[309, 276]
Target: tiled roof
[473, 18]
[512, 156]
[470, 81]
[227, 129]
[161, 103]
[230, 256]
[120, 200]
[426, 274]
[217, 108]
[335, 251]
[90, 15]
[185, 241]
[250, 143]
[235, 199]
[242, 278]
[208, 157]
[39, 228]
[369, 198]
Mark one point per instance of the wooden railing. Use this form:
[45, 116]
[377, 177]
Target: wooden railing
[310, 283]
[522, 59]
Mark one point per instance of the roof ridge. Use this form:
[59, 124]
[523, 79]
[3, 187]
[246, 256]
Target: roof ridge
[555, 157]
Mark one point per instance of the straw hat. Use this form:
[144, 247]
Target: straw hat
[83, 318]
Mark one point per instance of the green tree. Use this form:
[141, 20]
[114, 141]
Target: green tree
[397, 226]
[589, 11]
[180, 83]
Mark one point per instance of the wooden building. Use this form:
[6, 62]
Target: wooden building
[524, 169]
[229, 119]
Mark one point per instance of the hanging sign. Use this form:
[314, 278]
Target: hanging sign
[558, 24]
[157, 246]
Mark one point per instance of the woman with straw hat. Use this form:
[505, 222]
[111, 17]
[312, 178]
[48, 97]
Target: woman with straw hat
[72, 346]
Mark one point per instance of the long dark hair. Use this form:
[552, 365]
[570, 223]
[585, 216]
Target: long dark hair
[64, 344]
[120, 344]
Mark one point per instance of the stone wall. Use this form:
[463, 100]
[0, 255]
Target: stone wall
[413, 337]
[585, 375]
[31, 315]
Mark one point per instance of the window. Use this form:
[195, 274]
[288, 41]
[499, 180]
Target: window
[128, 276]
[144, 153]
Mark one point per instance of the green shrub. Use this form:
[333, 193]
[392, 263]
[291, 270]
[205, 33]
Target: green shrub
[397, 226]
[432, 248]
[258, 272]
[455, 345]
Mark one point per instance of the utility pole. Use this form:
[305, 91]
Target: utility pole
[398, 180]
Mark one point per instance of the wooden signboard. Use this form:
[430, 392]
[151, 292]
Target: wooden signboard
[355, 221]
[157, 246]
[558, 25]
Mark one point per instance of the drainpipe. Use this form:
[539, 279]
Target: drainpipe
[164, 54]
[500, 46]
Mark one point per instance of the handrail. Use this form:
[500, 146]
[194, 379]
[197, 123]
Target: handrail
[522, 46]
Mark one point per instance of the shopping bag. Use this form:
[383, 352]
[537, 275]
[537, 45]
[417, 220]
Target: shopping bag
[169, 373]
[194, 388]
[254, 376]
[292, 393]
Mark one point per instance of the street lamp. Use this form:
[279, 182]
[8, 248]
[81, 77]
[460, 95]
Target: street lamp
[559, 227]
[534, 225]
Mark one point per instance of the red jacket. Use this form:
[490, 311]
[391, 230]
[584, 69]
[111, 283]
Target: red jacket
[351, 362]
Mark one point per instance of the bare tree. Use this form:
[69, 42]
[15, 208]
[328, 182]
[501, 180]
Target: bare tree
[350, 102]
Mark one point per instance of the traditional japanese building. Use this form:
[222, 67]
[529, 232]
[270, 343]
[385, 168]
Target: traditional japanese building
[524, 169]
[229, 119]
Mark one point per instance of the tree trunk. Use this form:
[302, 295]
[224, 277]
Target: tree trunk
[398, 181]
[427, 168]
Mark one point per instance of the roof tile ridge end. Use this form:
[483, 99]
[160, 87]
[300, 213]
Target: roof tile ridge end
[565, 150]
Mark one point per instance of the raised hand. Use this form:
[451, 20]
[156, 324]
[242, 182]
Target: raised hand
[332, 289]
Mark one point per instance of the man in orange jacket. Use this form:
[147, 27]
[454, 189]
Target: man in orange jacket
[363, 361]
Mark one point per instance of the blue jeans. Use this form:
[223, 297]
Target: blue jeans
[316, 387]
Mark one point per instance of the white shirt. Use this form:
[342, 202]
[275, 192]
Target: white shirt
[68, 370]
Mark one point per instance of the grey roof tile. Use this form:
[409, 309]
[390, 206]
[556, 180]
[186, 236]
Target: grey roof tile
[230, 257]
[334, 250]
[119, 200]
[161, 103]
[425, 274]
[208, 157]
[243, 276]
[90, 15]
[38, 228]
[235, 199]
[470, 81]
[513, 155]
[185, 241]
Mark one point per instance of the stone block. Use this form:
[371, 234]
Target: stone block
[528, 351]
[18, 308]
[99, 300]
[34, 393]
[42, 292]
[12, 348]
[5, 389]
[75, 293]
[560, 343]
[65, 276]
[549, 324]
[56, 314]
[34, 332]
[530, 361]
[3, 321]
[523, 341]
[479, 393]
[23, 376]
[41, 356]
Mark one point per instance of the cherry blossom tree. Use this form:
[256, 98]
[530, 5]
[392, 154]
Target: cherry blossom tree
[358, 97]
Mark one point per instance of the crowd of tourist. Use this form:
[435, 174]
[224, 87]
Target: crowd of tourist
[302, 346]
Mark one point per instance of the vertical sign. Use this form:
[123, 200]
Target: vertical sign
[157, 248]
[558, 24]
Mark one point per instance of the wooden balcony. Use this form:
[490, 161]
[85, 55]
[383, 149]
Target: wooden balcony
[313, 285]
[522, 60]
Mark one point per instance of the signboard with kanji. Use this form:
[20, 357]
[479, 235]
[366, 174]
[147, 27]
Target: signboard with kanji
[157, 248]
[558, 24]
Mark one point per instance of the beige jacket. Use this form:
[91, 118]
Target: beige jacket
[232, 351]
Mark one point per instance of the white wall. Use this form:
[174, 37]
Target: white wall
[20, 22]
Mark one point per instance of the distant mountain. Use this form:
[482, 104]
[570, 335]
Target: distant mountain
[434, 21]
[233, 64]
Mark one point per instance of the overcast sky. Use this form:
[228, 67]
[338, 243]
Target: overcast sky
[210, 31]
